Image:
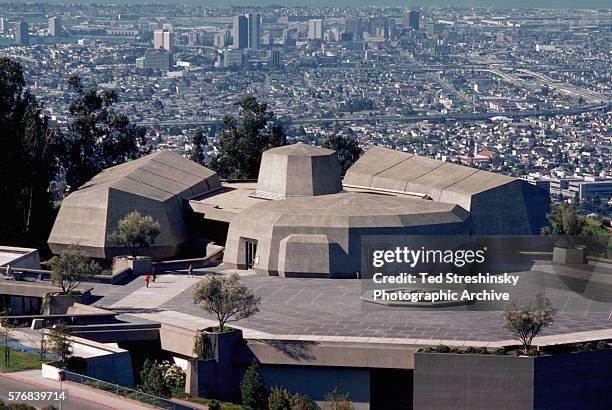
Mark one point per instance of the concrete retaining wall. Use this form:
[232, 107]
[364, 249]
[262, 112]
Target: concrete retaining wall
[563, 381]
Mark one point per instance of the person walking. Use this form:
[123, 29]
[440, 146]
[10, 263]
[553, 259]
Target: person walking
[190, 271]
[153, 274]
[147, 279]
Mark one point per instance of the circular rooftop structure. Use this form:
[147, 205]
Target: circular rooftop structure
[298, 170]
[321, 236]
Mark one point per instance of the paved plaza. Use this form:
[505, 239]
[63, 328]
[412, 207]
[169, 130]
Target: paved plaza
[311, 308]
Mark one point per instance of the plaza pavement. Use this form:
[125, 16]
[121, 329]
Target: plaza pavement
[331, 310]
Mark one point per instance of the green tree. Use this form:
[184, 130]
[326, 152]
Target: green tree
[71, 267]
[135, 231]
[31, 149]
[253, 388]
[564, 222]
[347, 149]
[98, 137]
[199, 141]
[243, 140]
[526, 322]
[152, 379]
[228, 299]
[59, 342]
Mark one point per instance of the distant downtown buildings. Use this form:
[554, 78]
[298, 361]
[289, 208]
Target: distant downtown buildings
[246, 31]
[22, 37]
[55, 26]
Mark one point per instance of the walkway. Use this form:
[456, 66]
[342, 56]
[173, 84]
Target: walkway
[77, 397]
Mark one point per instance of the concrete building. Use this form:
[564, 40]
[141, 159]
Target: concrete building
[22, 36]
[2, 24]
[300, 218]
[163, 38]
[315, 29]
[233, 58]
[158, 184]
[158, 59]
[240, 32]
[414, 20]
[55, 26]
[354, 26]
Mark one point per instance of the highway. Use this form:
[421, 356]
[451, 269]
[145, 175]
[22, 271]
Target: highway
[416, 118]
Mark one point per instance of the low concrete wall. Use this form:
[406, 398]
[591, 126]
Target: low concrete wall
[563, 381]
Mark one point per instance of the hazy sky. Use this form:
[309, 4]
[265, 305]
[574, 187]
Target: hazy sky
[560, 4]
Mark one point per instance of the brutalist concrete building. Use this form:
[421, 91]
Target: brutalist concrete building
[299, 218]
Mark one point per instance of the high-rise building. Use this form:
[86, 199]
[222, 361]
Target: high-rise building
[275, 58]
[378, 27]
[22, 37]
[315, 29]
[193, 38]
[254, 31]
[414, 19]
[163, 38]
[233, 58]
[55, 26]
[354, 26]
[158, 59]
[240, 32]
[2, 25]
[168, 26]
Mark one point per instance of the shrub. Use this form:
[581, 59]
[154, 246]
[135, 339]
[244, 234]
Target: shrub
[483, 350]
[303, 402]
[152, 380]
[471, 350]
[500, 351]
[279, 399]
[338, 401]
[214, 405]
[443, 349]
[253, 388]
[174, 376]
[428, 349]
[601, 345]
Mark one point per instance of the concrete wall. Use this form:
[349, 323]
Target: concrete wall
[565, 381]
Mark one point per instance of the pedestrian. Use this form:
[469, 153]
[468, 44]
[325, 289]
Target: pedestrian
[147, 279]
[190, 271]
[153, 274]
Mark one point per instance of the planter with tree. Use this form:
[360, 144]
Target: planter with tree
[526, 322]
[565, 226]
[135, 232]
[214, 374]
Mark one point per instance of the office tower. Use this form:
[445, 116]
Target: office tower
[163, 38]
[2, 25]
[193, 39]
[354, 26]
[240, 32]
[414, 19]
[153, 60]
[22, 37]
[254, 31]
[55, 26]
[233, 58]
[378, 27]
[315, 29]
[275, 58]
[168, 26]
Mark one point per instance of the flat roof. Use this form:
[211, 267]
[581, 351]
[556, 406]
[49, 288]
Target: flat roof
[226, 202]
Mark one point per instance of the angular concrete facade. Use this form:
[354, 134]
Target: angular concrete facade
[498, 204]
[158, 184]
[320, 236]
[298, 170]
